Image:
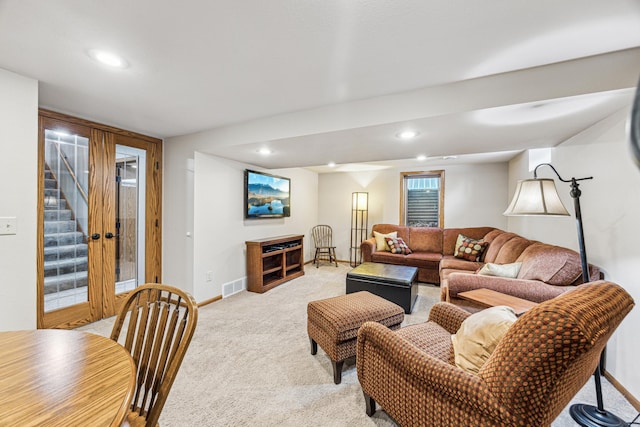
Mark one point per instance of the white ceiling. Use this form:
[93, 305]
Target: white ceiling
[196, 65]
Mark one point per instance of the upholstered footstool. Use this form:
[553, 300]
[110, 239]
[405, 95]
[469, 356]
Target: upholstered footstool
[334, 322]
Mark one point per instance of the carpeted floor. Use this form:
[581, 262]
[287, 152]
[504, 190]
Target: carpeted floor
[249, 364]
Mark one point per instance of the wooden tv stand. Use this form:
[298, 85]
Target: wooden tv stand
[273, 261]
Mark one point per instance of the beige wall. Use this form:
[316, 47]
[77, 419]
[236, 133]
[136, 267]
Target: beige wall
[478, 201]
[18, 187]
[220, 230]
[204, 229]
[610, 209]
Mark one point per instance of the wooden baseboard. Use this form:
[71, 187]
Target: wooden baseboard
[623, 391]
[209, 301]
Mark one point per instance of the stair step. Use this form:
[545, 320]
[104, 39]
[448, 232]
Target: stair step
[50, 183]
[52, 191]
[63, 239]
[53, 253]
[65, 282]
[64, 266]
[60, 204]
[57, 215]
[53, 227]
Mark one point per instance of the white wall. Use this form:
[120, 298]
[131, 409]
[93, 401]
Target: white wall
[203, 224]
[475, 195]
[18, 187]
[610, 209]
[220, 230]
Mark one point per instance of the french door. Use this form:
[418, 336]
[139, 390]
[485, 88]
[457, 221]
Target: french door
[98, 218]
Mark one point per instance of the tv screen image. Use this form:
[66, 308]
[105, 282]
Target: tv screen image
[266, 195]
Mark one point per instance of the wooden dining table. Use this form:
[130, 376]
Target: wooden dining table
[63, 378]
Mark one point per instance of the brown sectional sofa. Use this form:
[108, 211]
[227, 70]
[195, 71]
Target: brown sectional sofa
[546, 272]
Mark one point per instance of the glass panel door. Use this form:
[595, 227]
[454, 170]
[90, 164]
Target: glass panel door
[98, 218]
[130, 218]
[66, 163]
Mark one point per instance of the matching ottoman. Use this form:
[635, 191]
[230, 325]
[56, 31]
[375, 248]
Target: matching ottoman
[334, 322]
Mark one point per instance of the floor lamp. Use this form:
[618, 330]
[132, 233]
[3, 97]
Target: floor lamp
[359, 225]
[538, 196]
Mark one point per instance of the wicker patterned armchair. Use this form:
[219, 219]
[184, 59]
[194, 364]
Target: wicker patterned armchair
[540, 364]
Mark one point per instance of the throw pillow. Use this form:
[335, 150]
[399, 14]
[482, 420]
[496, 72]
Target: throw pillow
[501, 270]
[479, 335]
[381, 243]
[470, 249]
[397, 245]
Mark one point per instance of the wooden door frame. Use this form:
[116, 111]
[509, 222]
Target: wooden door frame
[101, 134]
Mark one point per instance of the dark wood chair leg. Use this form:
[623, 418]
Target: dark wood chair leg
[337, 371]
[371, 404]
[314, 346]
[335, 259]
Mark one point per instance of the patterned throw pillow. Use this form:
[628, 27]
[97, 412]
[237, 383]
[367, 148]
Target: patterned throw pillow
[397, 245]
[470, 249]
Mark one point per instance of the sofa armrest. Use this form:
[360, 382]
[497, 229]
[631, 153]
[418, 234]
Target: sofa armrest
[449, 316]
[532, 290]
[367, 248]
[384, 357]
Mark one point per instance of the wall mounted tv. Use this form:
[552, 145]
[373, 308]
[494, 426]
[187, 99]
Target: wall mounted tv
[266, 195]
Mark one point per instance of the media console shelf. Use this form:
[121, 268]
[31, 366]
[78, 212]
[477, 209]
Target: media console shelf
[273, 261]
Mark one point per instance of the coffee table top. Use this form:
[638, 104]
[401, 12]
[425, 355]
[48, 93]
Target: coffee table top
[384, 272]
[491, 298]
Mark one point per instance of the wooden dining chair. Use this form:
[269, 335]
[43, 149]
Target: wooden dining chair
[323, 241]
[157, 322]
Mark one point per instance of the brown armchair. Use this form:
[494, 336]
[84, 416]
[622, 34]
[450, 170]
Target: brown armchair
[546, 356]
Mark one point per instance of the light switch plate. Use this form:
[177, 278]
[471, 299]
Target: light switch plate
[8, 225]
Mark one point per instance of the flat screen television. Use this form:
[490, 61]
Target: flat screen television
[266, 195]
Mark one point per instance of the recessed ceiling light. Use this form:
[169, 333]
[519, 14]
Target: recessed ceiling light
[449, 157]
[264, 151]
[421, 157]
[331, 164]
[108, 58]
[408, 134]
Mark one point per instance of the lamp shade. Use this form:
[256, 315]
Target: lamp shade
[536, 197]
[360, 201]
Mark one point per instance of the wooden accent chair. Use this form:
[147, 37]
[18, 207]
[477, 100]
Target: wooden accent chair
[544, 359]
[160, 322]
[323, 241]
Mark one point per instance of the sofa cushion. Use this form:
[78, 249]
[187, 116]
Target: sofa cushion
[453, 263]
[551, 264]
[381, 240]
[469, 248]
[425, 239]
[511, 250]
[389, 228]
[501, 270]
[450, 235]
[397, 245]
[496, 243]
[479, 335]
[424, 260]
[389, 258]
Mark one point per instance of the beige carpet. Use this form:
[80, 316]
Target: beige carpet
[249, 364]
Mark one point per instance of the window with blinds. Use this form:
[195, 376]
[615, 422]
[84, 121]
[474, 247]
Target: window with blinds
[422, 199]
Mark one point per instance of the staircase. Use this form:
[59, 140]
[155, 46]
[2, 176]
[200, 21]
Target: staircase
[422, 208]
[65, 247]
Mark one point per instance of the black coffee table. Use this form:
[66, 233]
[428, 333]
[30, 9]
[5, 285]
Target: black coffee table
[395, 283]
